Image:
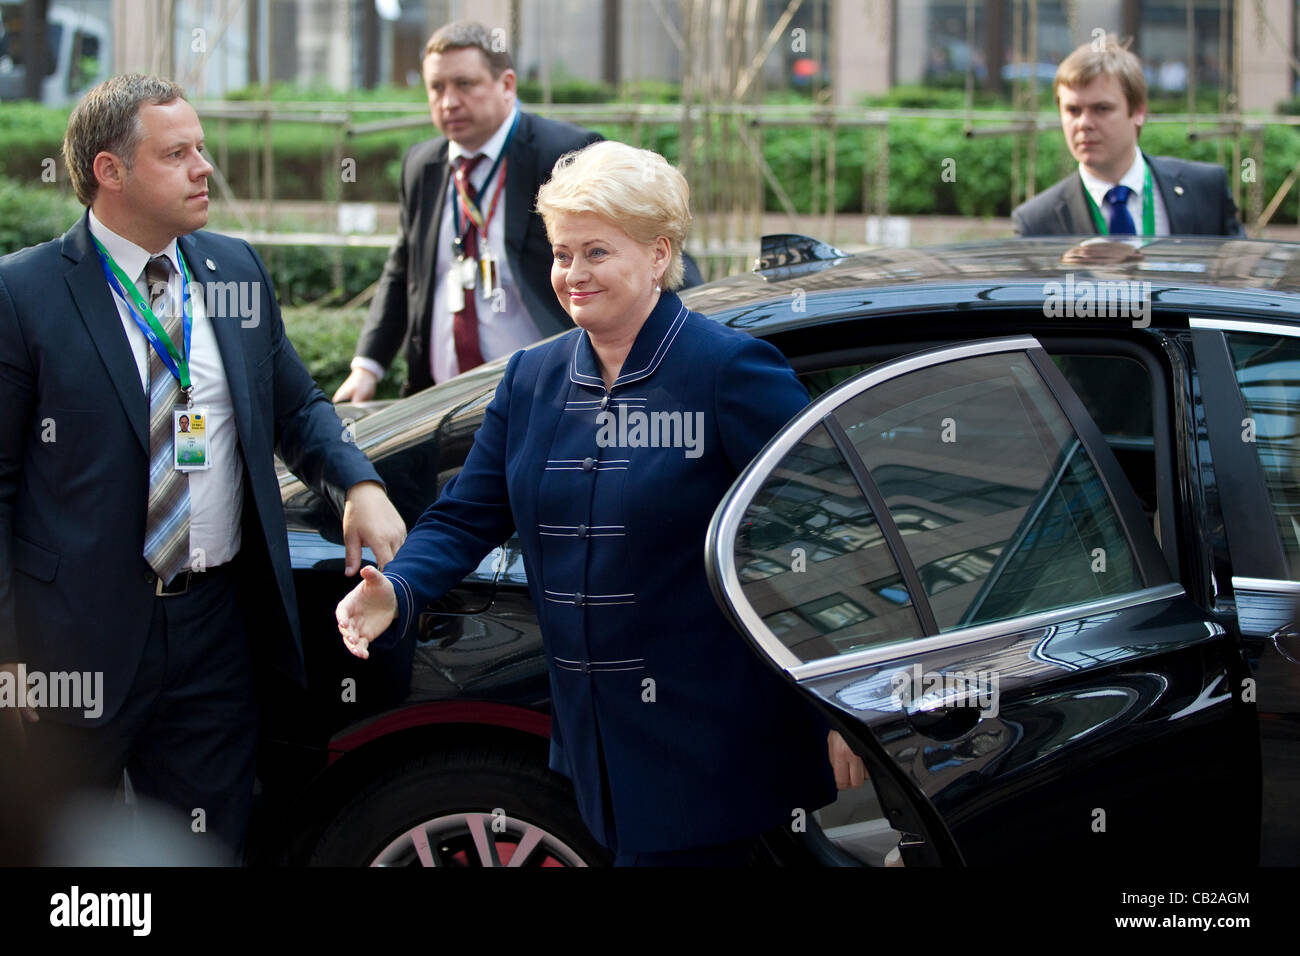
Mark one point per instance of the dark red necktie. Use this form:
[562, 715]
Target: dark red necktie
[465, 322]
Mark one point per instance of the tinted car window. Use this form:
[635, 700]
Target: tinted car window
[997, 502]
[1114, 390]
[1268, 371]
[812, 561]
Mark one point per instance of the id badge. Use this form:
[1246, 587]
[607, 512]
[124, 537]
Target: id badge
[455, 291]
[190, 438]
[468, 272]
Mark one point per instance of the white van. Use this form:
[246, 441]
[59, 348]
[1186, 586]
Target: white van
[79, 45]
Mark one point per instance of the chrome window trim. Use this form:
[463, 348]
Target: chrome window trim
[726, 523]
[980, 632]
[1265, 584]
[1243, 325]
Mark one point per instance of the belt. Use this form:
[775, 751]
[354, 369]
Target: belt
[184, 581]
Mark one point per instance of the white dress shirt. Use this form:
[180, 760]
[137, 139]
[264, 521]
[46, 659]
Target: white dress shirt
[217, 494]
[1135, 180]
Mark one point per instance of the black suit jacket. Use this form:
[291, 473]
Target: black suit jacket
[1196, 197]
[403, 303]
[75, 591]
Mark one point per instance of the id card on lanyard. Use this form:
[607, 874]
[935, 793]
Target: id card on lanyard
[189, 443]
[1148, 207]
[465, 269]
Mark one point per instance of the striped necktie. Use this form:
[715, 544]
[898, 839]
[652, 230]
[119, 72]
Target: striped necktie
[465, 322]
[167, 526]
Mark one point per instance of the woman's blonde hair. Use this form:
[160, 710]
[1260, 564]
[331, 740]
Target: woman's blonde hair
[636, 190]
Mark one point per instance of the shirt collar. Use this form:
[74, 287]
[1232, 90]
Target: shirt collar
[492, 148]
[656, 337]
[131, 258]
[1134, 179]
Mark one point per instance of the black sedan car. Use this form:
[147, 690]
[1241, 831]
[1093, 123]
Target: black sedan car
[1034, 548]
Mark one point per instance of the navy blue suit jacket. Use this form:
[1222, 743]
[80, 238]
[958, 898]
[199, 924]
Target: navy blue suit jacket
[75, 590]
[676, 735]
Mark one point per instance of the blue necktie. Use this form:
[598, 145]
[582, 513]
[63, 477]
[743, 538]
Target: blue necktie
[1121, 223]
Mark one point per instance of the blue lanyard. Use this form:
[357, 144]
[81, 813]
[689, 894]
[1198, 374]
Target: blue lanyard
[478, 196]
[164, 353]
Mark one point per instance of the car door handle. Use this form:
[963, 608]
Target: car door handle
[944, 723]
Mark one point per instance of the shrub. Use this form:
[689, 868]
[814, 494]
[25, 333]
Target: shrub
[33, 214]
[326, 339]
[304, 275]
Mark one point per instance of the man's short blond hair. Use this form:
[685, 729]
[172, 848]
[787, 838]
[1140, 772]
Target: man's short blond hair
[636, 190]
[1107, 57]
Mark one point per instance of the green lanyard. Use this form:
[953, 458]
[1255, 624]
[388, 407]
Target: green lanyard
[1148, 207]
[176, 362]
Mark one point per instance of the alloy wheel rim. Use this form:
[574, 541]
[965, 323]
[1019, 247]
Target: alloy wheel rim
[476, 839]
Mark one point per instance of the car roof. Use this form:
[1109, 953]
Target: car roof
[1210, 274]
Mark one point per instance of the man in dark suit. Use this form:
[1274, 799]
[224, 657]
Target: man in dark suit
[1119, 190]
[159, 576]
[470, 82]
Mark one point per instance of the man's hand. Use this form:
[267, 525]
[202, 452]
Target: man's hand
[21, 715]
[370, 520]
[357, 387]
[850, 771]
[366, 612]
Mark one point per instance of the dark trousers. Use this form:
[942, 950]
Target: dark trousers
[187, 732]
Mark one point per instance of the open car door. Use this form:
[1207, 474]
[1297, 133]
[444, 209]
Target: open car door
[946, 558]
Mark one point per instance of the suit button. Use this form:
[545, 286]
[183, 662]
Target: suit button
[586, 668]
[582, 531]
[150, 577]
[578, 599]
[588, 464]
[604, 402]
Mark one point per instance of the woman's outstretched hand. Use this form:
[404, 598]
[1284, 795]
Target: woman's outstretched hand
[366, 612]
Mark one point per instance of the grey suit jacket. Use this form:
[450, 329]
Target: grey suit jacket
[1196, 197]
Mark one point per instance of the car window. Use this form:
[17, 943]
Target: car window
[1115, 390]
[812, 561]
[999, 505]
[1268, 371]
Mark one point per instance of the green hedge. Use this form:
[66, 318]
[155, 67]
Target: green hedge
[306, 163]
[325, 340]
[305, 275]
[33, 214]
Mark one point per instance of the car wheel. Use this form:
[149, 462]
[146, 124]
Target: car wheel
[462, 809]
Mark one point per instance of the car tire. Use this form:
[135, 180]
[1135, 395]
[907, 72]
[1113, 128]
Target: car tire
[462, 809]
